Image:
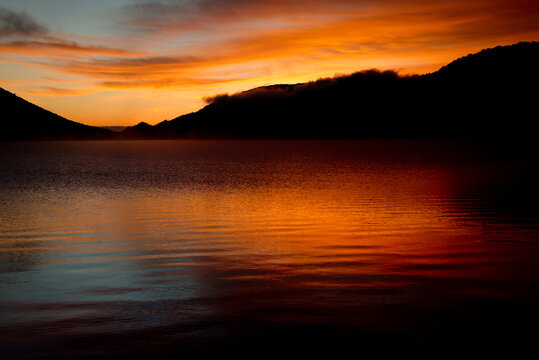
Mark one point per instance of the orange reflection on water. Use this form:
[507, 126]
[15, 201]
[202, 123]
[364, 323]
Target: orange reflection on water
[348, 228]
[395, 235]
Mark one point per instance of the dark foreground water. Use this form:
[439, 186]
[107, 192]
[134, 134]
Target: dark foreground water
[158, 249]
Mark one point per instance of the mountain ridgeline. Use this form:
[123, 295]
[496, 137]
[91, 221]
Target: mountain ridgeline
[490, 93]
[22, 120]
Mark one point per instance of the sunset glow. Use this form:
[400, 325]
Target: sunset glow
[124, 61]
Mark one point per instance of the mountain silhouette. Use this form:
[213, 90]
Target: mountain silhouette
[488, 94]
[22, 120]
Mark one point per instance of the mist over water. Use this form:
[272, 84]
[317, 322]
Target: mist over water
[159, 247]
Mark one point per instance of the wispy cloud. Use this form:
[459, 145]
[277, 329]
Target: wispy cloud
[156, 83]
[181, 16]
[54, 91]
[21, 34]
[342, 32]
[159, 15]
[19, 24]
[130, 67]
[52, 46]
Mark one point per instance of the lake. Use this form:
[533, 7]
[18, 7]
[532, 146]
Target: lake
[162, 248]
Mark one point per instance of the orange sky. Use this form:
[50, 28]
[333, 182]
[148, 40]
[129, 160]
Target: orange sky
[119, 62]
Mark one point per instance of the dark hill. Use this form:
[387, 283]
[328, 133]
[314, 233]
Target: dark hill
[140, 131]
[491, 93]
[502, 63]
[22, 120]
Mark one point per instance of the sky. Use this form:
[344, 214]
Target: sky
[120, 62]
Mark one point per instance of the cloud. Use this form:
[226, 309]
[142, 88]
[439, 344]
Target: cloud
[21, 34]
[131, 67]
[284, 91]
[352, 34]
[19, 24]
[52, 46]
[242, 31]
[158, 83]
[54, 91]
[181, 17]
[164, 15]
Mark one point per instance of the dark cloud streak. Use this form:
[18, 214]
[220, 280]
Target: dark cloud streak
[37, 46]
[156, 15]
[19, 24]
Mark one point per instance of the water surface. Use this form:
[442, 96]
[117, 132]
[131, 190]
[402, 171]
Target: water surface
[159, 248]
